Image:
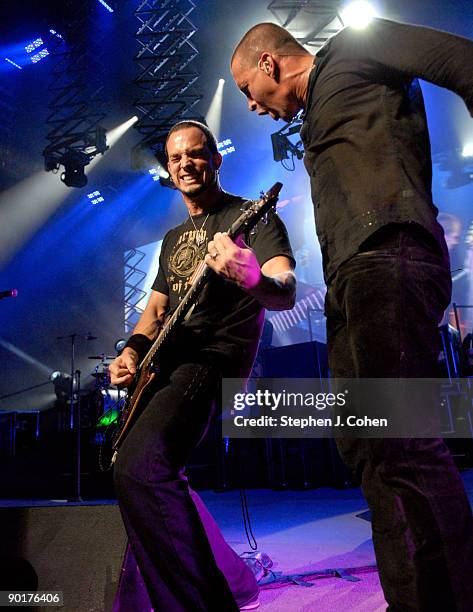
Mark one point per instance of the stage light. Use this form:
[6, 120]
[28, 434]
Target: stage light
[95, 197]
[74, 163]
[56, 34]
[468, 150]
[120, 345]
[34, 45]
[158, 172]
[39, 56]
[358, 14]
[221, 81]
[116, 133]
[225, 147]
[56, 375]
[13, 63]
[107, 6]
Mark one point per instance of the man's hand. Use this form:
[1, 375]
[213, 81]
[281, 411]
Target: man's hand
[233, 260]
[123, 368]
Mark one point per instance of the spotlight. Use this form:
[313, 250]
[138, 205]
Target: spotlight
[468, 150]
[74, 163]
[57, 375]
[221, 81]
[358, 14]
[120, 345]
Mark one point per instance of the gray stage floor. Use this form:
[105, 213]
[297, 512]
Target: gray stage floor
[309, 530]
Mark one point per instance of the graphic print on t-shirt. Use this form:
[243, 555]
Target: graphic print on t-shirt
[184, 258]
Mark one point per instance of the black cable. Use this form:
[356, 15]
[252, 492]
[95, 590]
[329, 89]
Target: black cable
[247, 521]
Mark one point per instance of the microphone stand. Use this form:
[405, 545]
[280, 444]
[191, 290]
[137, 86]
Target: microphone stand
[75, 417]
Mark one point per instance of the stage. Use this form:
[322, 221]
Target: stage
[301, 531]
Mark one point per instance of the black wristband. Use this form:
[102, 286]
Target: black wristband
[139, 343]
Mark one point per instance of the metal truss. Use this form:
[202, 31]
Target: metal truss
[77, 105]
[312, 23]
[7, 112]
[166, 77]
[134, 278]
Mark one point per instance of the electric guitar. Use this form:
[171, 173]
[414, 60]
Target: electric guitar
[148, 368]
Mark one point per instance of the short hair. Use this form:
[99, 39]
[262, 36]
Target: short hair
[190, 123]
[266, 37]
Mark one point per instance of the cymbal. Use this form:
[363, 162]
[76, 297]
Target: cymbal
[101, 357]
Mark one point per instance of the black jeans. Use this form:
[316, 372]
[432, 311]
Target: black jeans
[383, 309]
[163, 525]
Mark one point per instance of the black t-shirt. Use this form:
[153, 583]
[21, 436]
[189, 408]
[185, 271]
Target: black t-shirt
[226, 321]
[365, 131]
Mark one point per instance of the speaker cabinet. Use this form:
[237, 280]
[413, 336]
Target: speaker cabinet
[76, 549]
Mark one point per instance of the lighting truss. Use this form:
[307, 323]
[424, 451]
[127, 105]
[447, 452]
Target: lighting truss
[312, 23]
[134, 277]
[77, 107]
[166, 77]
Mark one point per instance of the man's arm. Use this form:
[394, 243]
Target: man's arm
[124, 366]
[273, 284]
[416, 51]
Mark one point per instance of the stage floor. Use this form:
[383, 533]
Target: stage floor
[309, 530]
[301, 531]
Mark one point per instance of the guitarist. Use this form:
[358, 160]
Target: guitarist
[219, 339]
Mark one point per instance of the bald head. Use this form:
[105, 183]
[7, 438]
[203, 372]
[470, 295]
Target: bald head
[264, 37]
[272, 70]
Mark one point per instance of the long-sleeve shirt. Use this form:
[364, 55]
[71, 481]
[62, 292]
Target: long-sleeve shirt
[365, 134]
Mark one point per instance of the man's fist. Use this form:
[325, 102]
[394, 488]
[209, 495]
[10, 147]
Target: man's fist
[123, 368]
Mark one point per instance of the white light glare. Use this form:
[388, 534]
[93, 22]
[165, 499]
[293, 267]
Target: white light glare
[358, 14]
[158, 172]
[468, 150]
[221, 81]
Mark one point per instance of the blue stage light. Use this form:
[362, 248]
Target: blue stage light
[95, 197]
[225, 147]
[34, 45]
[109, 8]
[13, 63]
[93, 194]
[56, 34]
[39, 56]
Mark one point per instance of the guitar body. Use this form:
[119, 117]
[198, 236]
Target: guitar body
[132, 407]
[146, 371]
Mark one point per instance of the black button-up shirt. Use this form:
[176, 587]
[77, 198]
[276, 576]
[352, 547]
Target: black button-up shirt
[365, 133]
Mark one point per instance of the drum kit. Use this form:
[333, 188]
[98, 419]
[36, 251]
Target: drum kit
[107, 399]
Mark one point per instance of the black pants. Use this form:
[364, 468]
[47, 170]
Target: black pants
[383, 309]
[163, 525]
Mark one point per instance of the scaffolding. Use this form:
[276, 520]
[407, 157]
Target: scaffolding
[78, 103]
[166, 76]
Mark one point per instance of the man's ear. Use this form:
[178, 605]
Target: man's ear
[267, 64]
[217, 160]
